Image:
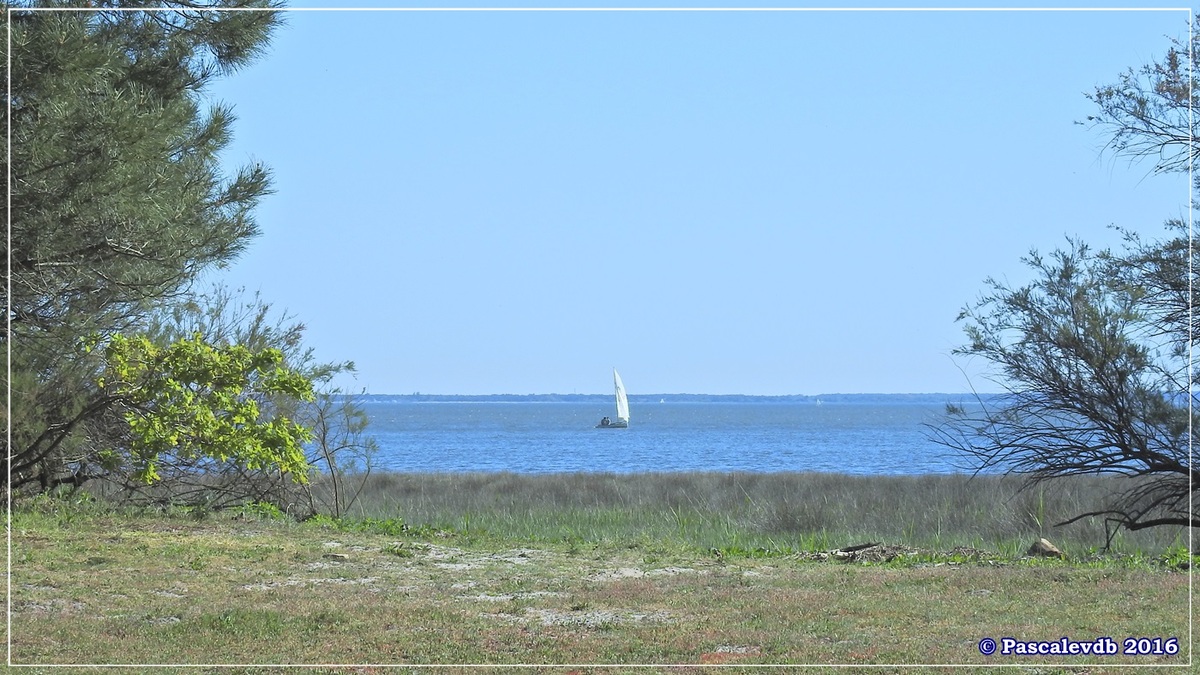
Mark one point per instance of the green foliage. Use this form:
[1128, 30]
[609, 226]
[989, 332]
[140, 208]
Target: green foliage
[262, 510]
[119, 201]
[1095, 353]
[1096, 380]
[258, 623]
[402, 549]
[756, 552]
[193, 398]
[322, 521]
[1146, 113]
[389, 526]
[1180, 557]
[339, 452]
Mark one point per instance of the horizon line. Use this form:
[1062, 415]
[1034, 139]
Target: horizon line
[665, 394]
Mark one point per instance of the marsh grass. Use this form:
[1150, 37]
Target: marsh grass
[773, 511]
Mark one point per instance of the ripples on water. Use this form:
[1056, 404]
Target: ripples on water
[543, 437]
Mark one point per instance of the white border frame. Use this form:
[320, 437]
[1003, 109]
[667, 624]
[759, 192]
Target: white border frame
[8, 324]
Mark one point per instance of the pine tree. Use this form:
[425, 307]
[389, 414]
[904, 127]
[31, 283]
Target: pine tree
[118, 198]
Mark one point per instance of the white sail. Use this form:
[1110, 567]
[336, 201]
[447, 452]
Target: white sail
[622, 400]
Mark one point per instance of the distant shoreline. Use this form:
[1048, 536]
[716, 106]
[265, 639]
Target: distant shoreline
[931, 399]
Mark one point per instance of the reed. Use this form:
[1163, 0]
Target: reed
[748, 511]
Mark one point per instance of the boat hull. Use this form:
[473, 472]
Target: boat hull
[613, 425]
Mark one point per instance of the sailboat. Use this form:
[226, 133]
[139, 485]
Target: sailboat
[622, 421]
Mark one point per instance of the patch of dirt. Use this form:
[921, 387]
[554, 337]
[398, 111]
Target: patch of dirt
[57, 605]
[308, 582]
[583, 619]
[457, 567]
[728, 654]
[728, 649]
[451, 558]
[760, 571]
[164, 620]
[520, 556]
[636, 573]
[613, 575]
[505, 597]
[435, 552]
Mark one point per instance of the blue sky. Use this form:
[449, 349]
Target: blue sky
[712, 202]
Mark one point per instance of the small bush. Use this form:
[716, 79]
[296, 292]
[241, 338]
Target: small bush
[263, 510]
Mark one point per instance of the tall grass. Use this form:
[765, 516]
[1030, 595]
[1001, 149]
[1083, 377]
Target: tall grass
[798, 511]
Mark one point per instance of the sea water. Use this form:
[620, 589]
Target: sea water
[544, 437]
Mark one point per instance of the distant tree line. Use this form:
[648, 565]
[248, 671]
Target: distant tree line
[930, 399]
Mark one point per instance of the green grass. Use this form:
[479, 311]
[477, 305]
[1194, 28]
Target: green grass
[462, 569]
[782, 511]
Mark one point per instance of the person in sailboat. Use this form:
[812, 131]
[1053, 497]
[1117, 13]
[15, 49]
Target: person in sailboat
[605, 422]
